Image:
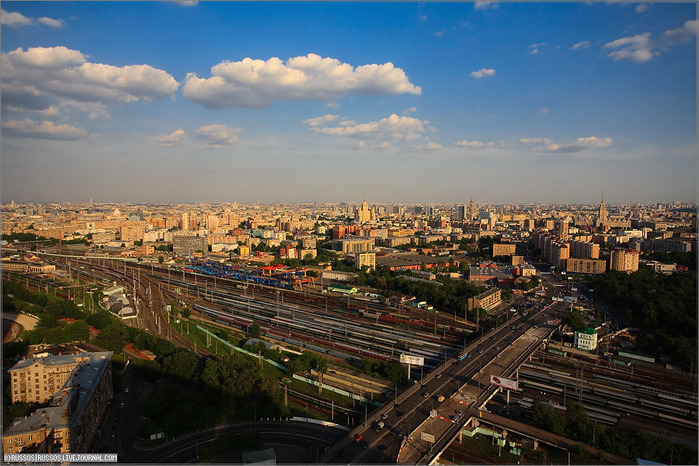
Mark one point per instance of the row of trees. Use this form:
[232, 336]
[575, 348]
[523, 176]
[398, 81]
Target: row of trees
[664, 306]
[444, 293]
[575, 424]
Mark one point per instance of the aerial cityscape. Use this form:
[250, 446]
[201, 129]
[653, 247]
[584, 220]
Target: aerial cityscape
[379, 232]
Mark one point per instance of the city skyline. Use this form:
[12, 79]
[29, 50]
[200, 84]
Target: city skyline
[302, 102]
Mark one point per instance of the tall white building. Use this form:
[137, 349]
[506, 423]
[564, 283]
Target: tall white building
[364, 214]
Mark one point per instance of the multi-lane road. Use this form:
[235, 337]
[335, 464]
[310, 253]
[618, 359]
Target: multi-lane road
[401, 437]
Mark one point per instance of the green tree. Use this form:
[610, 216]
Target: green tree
[574, 319]
[78, 331]
[182, 362]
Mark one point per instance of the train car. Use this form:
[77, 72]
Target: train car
[541, 387]
[678, 421]
[665, 407]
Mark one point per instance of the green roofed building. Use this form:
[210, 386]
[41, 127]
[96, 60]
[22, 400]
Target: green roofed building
[586, 339]
[342, 289]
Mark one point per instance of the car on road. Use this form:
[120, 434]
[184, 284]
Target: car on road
[438, 376]
[358, 437]
[425, 394]
[479, 351]
[384, 416]
[126, 390]
[399, 413]
[364, 444]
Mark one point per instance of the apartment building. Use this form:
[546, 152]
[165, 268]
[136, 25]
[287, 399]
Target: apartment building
[70, 424]
[486, 300]
[624, 260]
[36, 380]
[587, 266]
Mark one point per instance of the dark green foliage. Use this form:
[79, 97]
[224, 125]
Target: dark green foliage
[181, 363]
[101, 319]
[305, 362]
[393, 371]
[546, 417]
[14, 349]
[111, 338]
[665, 307]
[445, 293]
[680, 258]
[574, 319]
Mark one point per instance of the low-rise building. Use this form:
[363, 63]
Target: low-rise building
[486, 300]
[585, 339]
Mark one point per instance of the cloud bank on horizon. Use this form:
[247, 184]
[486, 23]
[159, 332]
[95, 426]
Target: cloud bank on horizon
[422, 91]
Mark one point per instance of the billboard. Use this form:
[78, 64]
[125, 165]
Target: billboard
[410, 359]
[504, 383]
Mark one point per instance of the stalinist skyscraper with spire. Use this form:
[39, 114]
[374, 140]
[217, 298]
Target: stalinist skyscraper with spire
[603, 216]
[364, 214]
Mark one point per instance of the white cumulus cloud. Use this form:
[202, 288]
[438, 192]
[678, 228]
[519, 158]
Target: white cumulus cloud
[578, 145]
[642, 48]
[258, 83]
[50, 22]
[173, 139]
[321, 121]
[536, 141]
[467, 143]
[41, 76]
[430, 146]
[483, 73]
[13, 19]
[16, 20]
[394, 127]
[44, 130]
[217, 136]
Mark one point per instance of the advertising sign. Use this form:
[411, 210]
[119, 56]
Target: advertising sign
[410, 359]
[504, 383]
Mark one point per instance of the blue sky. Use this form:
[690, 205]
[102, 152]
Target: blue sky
[406, 102]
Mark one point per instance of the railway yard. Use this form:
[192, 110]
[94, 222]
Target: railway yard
[349, 329]
[652, 399]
